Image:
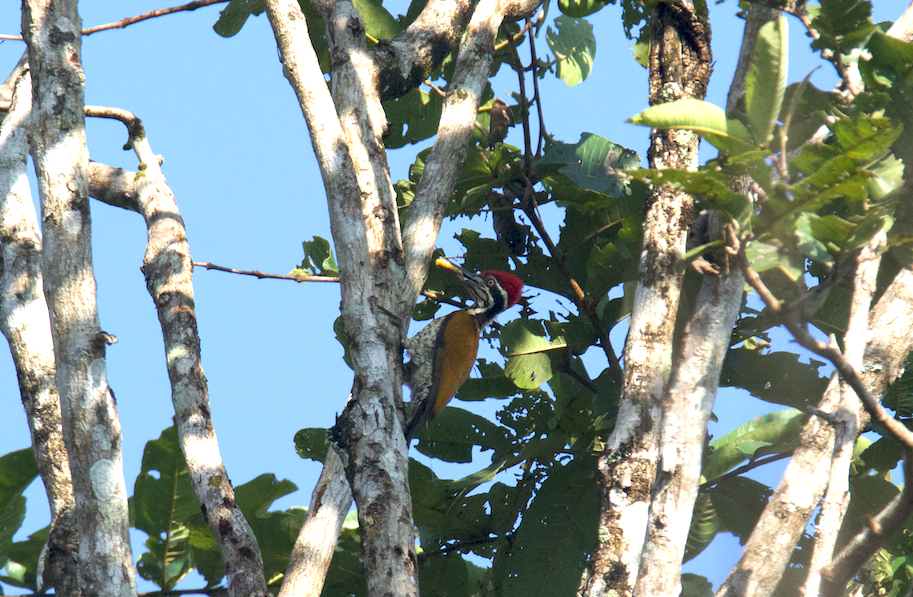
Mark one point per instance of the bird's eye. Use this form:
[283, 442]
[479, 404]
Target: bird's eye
[490, 282]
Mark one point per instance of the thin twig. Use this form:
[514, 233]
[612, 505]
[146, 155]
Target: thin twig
[131, 20]
[537, 98]
[512, 39]
[262, 275]
[830, 351]
[435, 88]
[530, 208]
[759, 462]
[521, 77]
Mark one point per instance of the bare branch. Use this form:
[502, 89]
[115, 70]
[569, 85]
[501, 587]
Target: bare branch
[680, 66]
[870, 540]
[443, 164]
[151, 15]
[261, 275]
[114, 186]
[136, 19]
[310, 560]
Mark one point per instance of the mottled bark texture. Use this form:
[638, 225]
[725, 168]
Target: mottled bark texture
[312, 554]
[91, 428]
[766, 554]
[26, 324]
[680, 66]
[847, 412]
[169, 277]
[686, 412]
[378, 277]
[168, 269]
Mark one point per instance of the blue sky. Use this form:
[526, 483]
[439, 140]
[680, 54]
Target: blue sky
[238, 158]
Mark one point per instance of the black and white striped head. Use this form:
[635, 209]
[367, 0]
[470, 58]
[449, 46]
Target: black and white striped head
[493, 291]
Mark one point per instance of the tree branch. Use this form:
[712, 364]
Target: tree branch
[260, 275]
[442, 167]
[136, 19]
[91, 428]
[680, 66]
[847, 414]
[889, 342]
[26, 324]
[169, 271]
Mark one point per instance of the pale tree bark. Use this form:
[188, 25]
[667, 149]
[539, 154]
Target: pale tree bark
[168, 269]
[91, 428]
[680, 66]
[902, 28]
[313, 550]
[365, 226]
[769, 548]
[26, 324]
[689, 401]
[380, 279]
[846, 417]
[686, 411]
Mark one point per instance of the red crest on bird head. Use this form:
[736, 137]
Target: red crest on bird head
[511, 284]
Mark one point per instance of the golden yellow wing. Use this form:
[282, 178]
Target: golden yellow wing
[455, 354]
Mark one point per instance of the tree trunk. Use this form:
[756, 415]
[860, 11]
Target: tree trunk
[91, 429]
[679, 68]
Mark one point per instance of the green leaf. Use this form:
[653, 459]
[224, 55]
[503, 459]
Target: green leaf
[765, 82]
[805, 110]
[574, 46]
[592, 163]
[705, 524]
[491, 384]
[257, 495]
[233, 16]
[883, 455]
[162, 494]
[378, 21]
[842, 25]
[862, 138]
[695, 585]
[887, 72]
[17, 471]
[412, 118]
[455, 433]
[739, 502]
[168, 560]
[318, 258]
[558, 531]
[580, 8]
[447, 576]
[776, 377]
[707, 120]
[162, 505]
[312, 443]
[525, 341]
[808, 244]
[21, 560]
[778, 430]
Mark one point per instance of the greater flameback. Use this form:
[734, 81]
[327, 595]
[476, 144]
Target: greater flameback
[443, 353]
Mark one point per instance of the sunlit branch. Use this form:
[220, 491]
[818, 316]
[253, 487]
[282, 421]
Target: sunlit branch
[138, 18]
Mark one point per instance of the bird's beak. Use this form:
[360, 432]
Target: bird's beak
[466, 277]
[443, 263]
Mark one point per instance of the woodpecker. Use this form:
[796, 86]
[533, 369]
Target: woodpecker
[443, 353]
